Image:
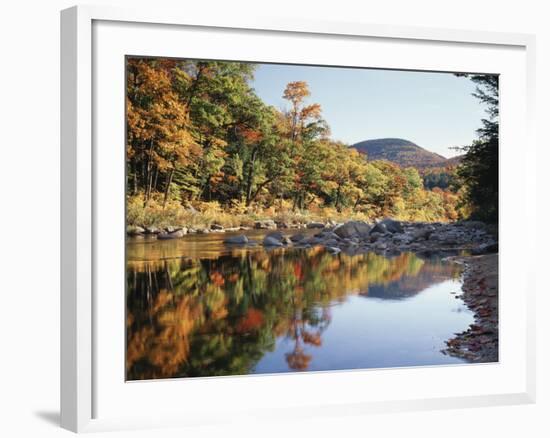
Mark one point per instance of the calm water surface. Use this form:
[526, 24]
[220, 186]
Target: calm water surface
[198, 308]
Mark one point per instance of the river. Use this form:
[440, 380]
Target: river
[196, 307]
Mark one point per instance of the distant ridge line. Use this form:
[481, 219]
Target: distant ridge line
[403, 152]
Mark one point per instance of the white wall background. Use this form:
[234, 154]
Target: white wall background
[29, 216]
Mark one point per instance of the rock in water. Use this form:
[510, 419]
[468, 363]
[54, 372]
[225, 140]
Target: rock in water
[392, 225]
[379, 228]
[297, 237]
[271, 241]
[315, 225]
[352, 229]
[236, 240]
[173, 235]
[486, 248]
[134, 230]
[423, 233]
[216, 227]
[363, 229]
[277, 235]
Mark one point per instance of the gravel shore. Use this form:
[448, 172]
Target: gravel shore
[479, 343]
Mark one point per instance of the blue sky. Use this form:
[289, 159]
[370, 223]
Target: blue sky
[434, 110]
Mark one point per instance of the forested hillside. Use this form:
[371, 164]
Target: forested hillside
[202, 146]
[405, 153]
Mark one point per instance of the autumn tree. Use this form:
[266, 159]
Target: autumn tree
[159, 137]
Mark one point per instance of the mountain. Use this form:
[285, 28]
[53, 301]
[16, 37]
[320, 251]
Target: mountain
[403, 152]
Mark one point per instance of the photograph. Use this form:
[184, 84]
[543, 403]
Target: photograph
[305, 218]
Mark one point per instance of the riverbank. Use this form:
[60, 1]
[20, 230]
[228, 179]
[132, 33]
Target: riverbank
[351, 237]
[479, 343]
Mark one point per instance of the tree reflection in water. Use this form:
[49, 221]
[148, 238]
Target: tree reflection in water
[219, 316]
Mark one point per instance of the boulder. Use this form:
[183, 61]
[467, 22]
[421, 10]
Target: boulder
[171, 229]
[375, 236]
[135, 230]
[203, 231]
[297, 237]
[353, 229]
[282, 225]
[277, 235]
[152, 230]
[236, 240]
[485, 248]
[271, 241]
[403, 239]
[173, 235]
[216, 227]
[286, 240]
[267, 224]
[379, 228]
[328, 235]
[312, 225]
[473, 225]
[363, 229]
[333, 249]
[423, 233]
[393, 226]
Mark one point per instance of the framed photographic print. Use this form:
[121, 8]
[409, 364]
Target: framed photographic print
[262, 207]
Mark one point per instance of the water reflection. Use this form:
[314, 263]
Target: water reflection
[230, 314]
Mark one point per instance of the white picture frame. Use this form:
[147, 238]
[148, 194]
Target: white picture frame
[81, 245]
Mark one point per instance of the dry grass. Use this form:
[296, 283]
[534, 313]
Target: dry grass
[204, 214]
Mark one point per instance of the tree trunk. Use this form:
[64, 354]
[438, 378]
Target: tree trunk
[259, 188]
[154, 188]
[149, 169]
[250, 177]
[167, 188]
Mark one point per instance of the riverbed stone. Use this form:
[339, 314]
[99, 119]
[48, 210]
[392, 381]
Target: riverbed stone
[236, 240]
[271, 241]
[277, 235]
[379, 228]
[312, 225]
[216, 227]
[282, 225]
[423, 233]
[297, 237]
[485, 248]
[392, 225]
[375, 236]
[152, 230]
[352, 229]
[134, 230]
[174, 235]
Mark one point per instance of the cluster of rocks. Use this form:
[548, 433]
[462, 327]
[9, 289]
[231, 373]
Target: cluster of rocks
[174, 232]
[387, 235]
[479, 343]
[264, 224]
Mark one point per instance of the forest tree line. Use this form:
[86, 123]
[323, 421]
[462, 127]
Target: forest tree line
[200, 138]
